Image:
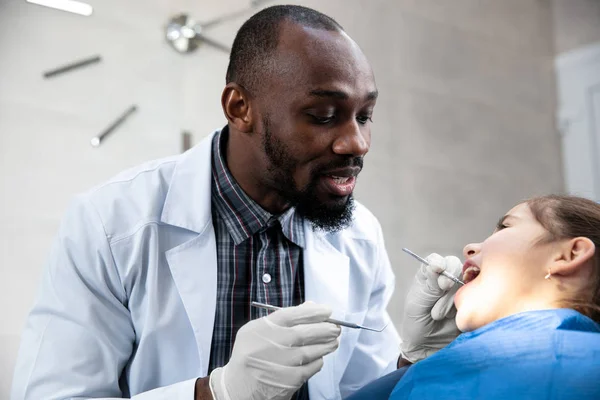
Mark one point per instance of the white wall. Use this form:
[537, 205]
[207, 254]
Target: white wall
[577, 45]
[46, 125]
[463, 129]
[576, 24]
[578, 76]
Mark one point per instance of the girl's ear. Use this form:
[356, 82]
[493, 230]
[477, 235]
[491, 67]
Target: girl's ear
[573, 254]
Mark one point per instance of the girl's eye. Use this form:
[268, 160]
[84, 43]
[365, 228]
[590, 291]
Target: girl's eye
[500, 226]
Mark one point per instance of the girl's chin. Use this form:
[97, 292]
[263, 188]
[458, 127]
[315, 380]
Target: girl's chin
[467, 316]
[461, 322]
[464, 324]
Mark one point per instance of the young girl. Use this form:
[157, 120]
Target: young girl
[530, 312]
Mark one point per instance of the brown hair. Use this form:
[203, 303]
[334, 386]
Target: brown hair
[566, 217]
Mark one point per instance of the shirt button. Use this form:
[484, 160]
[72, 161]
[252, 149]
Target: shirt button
[266, 278]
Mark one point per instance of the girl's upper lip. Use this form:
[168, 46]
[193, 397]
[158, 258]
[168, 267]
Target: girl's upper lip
[469, 263]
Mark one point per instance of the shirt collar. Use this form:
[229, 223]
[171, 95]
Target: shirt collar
[242, 215]
[292, 225]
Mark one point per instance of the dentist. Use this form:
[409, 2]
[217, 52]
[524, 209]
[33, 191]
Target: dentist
[147, 291]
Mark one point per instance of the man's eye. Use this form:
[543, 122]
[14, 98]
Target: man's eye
[322, 120]
[364, 119]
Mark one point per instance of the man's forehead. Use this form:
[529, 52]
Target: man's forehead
[318, 59]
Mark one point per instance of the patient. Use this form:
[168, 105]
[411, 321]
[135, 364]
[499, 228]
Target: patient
[530, 313]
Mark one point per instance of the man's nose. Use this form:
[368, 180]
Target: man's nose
[353, 139]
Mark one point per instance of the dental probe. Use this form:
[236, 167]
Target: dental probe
[333, 321]
[424, 261]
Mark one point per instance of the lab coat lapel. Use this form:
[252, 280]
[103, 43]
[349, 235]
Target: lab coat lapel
[193, 264]
[326, 273]
[326, 276]
[194, 269]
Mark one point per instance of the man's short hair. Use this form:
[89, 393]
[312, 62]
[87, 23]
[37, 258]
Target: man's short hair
[257, 39]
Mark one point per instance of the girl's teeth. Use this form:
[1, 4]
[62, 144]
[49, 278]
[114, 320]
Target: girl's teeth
[471, 273]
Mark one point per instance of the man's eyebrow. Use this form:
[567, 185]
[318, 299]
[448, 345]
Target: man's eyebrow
[373, 95]
[329, 93]
[339, 94]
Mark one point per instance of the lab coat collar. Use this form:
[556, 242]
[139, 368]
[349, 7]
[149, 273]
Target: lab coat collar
[188, 200]
[193, 264]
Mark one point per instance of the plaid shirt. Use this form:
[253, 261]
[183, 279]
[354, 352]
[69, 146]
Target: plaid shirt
[259, 256]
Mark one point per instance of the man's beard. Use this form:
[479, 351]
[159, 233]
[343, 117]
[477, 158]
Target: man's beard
[329, 218]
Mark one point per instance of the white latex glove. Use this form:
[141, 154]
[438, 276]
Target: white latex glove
[428, 324]
[273, 356]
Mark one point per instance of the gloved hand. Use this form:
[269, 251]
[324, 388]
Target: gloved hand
[273, 356]
[428, 324]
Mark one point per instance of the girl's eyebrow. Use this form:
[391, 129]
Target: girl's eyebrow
[504, 218]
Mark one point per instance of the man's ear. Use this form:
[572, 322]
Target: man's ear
[235, 101]
[573, 255]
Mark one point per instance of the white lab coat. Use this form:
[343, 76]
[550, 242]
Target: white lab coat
[127, 300]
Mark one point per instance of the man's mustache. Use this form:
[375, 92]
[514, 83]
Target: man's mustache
[338, 164]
